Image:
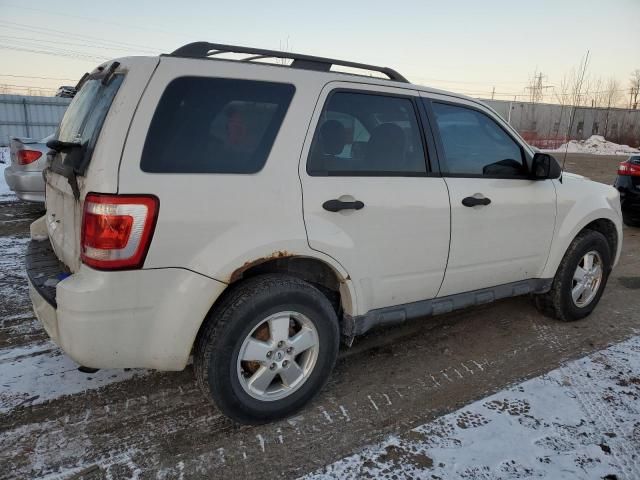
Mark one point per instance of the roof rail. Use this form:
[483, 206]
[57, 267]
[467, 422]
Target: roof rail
[306, 62]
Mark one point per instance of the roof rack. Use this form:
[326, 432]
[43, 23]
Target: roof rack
[306, 62]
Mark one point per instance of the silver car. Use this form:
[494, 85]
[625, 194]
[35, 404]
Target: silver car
[24, 175]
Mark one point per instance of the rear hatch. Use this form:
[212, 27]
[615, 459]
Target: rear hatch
[87, 147]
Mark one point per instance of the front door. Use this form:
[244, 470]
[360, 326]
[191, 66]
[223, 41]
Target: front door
[370, 200]
[501, 221]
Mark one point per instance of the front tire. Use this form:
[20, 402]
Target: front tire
[267, 349]
[580, 280]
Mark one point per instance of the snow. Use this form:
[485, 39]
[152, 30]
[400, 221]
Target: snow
[11, 267]
[597, 145]
[581, 420]
[38, 373]
[5, 193]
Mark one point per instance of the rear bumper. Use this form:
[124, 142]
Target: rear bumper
[137, 318]
[28, 185]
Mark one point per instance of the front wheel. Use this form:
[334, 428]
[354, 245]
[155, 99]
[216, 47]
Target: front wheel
[580, 279]
[267, 348]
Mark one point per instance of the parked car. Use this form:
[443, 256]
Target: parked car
[628, 184]
[24, 175]
[66, 91]
[253, 215]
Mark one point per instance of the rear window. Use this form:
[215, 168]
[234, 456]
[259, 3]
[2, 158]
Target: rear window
[215, 125]
[84, 118]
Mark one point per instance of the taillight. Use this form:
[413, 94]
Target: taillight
[117, 230]
[25, 157]
[627, 168]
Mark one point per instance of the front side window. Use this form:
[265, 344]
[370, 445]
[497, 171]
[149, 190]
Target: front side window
[474, 144]
[215, 125]
[367, 134]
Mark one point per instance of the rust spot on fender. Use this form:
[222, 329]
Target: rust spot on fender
[237, 273]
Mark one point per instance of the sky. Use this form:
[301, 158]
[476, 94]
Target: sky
[467, 46]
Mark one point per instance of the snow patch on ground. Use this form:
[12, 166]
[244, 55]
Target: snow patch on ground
[5, 193]
[13, 278]
[597, 145]
[579, 421]
[41, 372]
[36, 373]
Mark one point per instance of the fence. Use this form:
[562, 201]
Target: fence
[546, 125]
[543, 125]
[27, 116]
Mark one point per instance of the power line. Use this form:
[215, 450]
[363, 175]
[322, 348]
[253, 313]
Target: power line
[59, 54]
[57, 50]
[75, 44]
[52, 50]
[86, 38]
[26, 86]
[95, 19]
[39, 78]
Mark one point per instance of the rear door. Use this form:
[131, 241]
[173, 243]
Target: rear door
[370, 199]
[501, 221]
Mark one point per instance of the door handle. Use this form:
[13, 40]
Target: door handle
[473, 201]
[336, 205]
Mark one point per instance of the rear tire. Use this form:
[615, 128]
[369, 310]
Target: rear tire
[560, 301]
[267, 349]
[629, 222]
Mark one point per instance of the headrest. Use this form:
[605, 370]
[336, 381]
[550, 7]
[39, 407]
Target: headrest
[332, 137]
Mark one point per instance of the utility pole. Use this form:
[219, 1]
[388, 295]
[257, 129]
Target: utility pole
[511, 108]
[493, 92]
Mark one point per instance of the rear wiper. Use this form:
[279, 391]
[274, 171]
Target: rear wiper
[109, 73]
[60, 146]
[81, 81]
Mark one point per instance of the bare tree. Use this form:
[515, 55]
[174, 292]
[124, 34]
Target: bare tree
[634, 90]
[597, 93]
[576, 86]
[612, 92]
[612, 97]
[284, 47]
[561, 92]
[569, 94]
[562, 95]
[577, 81]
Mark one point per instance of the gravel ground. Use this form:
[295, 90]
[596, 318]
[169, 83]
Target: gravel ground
[56, 422]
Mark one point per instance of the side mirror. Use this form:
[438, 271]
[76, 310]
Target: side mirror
[544, 167]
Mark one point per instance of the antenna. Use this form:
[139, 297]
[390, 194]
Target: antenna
[578, 81]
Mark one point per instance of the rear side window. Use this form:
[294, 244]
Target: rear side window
[215, 125]
[361, 134]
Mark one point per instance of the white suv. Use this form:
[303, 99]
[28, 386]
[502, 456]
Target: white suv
[253, 214]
